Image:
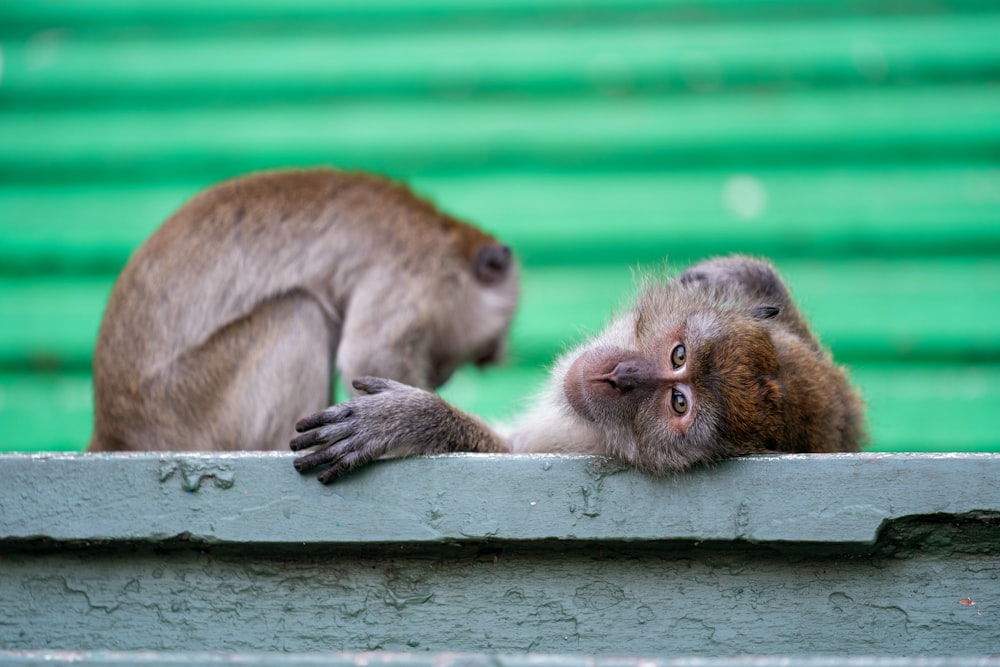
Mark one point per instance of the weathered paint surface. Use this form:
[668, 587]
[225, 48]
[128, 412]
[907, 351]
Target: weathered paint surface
[385, 659]
[853, 555]
[599, 599]
[837, 498]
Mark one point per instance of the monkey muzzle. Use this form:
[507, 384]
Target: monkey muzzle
[609, 380]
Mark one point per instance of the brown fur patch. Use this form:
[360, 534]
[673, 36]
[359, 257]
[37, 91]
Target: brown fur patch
[740, 372]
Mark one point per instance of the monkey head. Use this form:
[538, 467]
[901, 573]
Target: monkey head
[484, 310]
[690, 375]
[438, 301]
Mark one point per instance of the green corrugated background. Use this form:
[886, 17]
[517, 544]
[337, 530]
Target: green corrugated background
[856, 143]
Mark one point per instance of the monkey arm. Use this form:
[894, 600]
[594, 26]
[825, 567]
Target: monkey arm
[389, 419]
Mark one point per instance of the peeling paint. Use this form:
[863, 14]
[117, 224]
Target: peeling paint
[194, 472]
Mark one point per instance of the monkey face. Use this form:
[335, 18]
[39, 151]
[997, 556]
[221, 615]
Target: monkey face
[477, 328]
[690, 378]
[609, 383]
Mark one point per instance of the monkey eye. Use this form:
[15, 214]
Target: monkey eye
[678, 401]
[678, 356]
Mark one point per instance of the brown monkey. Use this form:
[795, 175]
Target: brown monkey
[715, 363]
[222, 329]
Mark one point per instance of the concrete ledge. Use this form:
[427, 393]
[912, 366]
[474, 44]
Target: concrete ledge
[99, 658]
[848, 555]
[260, 499]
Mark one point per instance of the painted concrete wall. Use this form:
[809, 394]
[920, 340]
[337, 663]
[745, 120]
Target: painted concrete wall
[837, 554]
[382, 659]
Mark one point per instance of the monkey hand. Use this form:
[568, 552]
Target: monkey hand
[390, 419]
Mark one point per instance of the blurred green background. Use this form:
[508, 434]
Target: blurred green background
[856, 143]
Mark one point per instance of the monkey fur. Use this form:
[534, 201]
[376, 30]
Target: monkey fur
[224, 327]
[715, 363]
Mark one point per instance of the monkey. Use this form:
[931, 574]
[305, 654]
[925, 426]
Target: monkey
[226, 326]
[715, 363]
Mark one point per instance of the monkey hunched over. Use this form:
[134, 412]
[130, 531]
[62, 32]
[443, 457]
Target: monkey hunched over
[224, 327]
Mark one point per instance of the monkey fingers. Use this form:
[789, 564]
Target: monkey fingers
[334, 432]
[348, 461]
[335, 413]
[323, 436]
[321, 457]
[343, 455]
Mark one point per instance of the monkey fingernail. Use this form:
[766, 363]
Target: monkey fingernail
[340, 468]
[327, 476]
[297, 444]
[309, 423]
[311, 439]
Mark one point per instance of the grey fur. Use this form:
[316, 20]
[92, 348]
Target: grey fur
[223, 328]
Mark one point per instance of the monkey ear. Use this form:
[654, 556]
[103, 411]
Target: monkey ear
[491, 263]
[765, 312]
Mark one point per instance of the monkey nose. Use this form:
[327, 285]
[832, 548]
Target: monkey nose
[632, 374]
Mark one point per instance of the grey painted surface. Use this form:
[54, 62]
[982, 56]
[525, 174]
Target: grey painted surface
[839, 498]
[605, 599]
[88, 659]
[767, 556]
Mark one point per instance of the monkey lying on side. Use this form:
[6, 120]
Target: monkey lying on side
[221, 331]
[715, 363]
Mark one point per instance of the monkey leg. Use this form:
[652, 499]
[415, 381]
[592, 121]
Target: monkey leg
[286, 352]
[246, 386]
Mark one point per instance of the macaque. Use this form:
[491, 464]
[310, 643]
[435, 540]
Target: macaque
[224, 327]
[715, 363]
